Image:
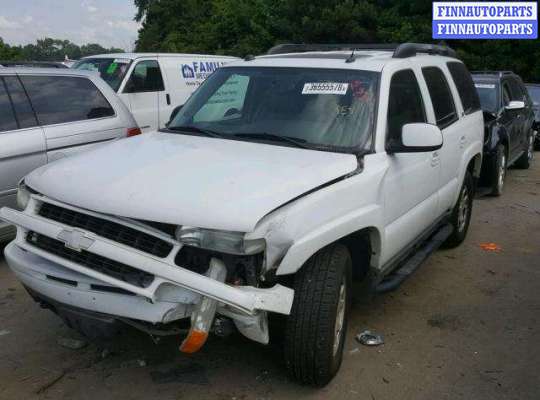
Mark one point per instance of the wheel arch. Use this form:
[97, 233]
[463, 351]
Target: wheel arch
[364, 245]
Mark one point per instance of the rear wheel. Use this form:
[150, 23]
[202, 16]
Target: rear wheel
[461, 215]
[499, 171]
[524, 162]
[316, 328]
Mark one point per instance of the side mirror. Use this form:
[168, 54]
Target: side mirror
[515, 105]
[418, 138]
[174, 113]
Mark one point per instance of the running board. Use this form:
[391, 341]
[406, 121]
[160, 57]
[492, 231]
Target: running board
[396, 278]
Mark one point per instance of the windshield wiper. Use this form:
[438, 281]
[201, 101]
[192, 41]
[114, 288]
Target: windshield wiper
[206, 132]
[276, 138]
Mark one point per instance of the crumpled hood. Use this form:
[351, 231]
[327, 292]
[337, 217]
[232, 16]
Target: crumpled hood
[188, 180]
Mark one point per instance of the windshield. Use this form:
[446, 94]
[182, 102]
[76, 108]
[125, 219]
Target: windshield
[488, 96]
[324, 109]
[534, 92]
[111, 70]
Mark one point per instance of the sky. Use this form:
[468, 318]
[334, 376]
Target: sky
[107, 22]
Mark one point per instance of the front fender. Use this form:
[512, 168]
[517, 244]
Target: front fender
[298, 230]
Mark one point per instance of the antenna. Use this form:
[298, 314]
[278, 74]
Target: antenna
[351, 58]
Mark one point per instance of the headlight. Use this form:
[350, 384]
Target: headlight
[23, 195]
[222, 241]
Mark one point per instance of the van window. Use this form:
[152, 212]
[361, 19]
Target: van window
[60, 99]
[7, 116]
[405, 103]
[146, 77]
[441, 96]
[23, 110]
[465, 86]
[111, 70]
[227, 102]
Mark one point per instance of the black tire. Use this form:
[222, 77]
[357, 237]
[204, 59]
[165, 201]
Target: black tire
[461, 215]
[498, 171]
[524, 162]
[311, 356]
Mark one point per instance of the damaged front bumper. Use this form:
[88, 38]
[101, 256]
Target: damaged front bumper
[173, 294]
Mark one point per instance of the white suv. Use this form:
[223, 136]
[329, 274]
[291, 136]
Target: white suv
[283, 179]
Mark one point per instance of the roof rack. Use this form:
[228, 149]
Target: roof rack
[488, 72]
[403, 50]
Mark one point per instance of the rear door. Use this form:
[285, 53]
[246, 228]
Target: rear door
[142, 91]
[22, 143]
[73, 112]
[512, 120]
[454, 133]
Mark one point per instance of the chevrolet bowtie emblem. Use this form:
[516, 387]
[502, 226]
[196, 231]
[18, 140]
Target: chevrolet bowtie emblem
[75, 239]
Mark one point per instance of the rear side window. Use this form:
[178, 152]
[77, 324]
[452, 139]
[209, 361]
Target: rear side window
[7, 116]
[465, 86]
[405, 103]
[441, 97]
[146, 77]
[23, 110]
[61, 99]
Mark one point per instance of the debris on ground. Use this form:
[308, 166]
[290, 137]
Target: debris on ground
[133, 363]
[355, 350]
[369, 338]
[4, 332]
[73, 344]
[490, 246]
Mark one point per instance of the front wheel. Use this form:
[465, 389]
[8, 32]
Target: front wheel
[316, 327]
[461, 215]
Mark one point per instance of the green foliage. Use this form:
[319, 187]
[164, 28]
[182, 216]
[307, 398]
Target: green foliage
[241, 27]
[51, 50]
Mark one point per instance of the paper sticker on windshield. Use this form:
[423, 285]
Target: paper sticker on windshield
[325, 88]
[484, 85]
[121, 61]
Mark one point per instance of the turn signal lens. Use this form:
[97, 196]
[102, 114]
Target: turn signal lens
[194, 341]
[133, 132]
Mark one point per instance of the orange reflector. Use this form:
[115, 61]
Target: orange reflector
[194, 341]
[133, 132]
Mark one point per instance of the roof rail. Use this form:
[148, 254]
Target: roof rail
[406, 50]
[403, 50]
[303, 48]
[488, 72]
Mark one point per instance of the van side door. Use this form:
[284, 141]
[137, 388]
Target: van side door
[142, 90]
[22, 143]
[74, 114]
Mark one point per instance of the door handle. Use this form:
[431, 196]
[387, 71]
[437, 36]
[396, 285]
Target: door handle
[168, 98]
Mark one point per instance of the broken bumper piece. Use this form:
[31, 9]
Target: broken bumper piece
[174, 293]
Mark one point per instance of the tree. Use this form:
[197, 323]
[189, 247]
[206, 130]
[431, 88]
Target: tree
[241, 27]
[49, 49]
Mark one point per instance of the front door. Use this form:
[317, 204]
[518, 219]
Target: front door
[412, 181]
[142, 91]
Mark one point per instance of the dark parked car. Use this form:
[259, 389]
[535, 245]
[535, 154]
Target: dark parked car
[32, 64]
[508, 119]
[534, 94]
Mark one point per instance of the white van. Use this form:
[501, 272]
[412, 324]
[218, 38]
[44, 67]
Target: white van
[152, 85]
